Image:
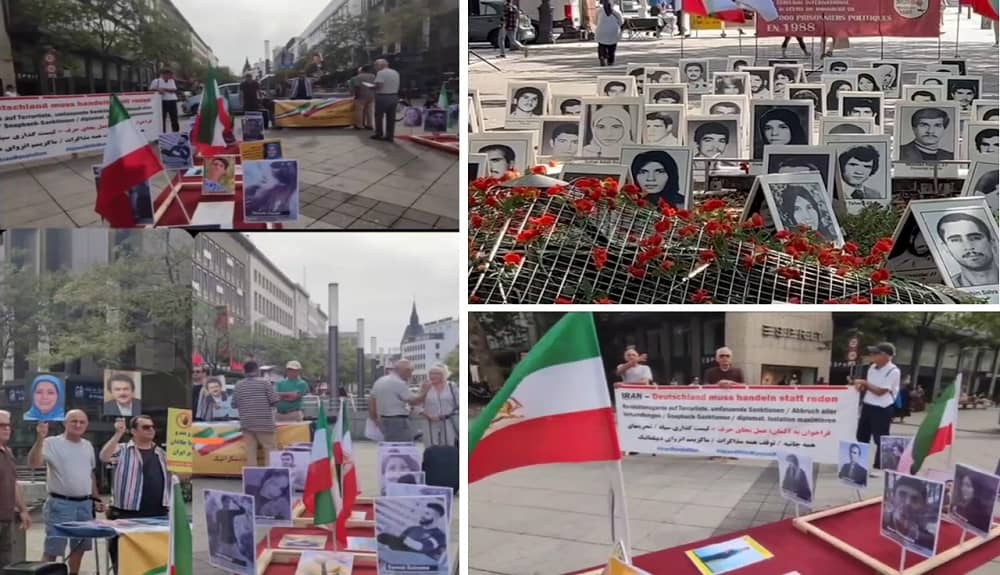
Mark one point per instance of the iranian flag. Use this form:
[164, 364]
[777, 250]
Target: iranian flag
[347, 477]
[318, 496]
[128, 161]
[212, 120]
[180, 561]
[554, 408]
[765, 8]
[936, 432]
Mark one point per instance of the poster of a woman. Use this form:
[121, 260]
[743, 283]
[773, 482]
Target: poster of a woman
[48, 399]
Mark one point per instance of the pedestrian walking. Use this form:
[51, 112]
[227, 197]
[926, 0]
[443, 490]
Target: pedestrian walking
[139, 483]
[609, 30]
[167, 89]
[440, 407]
[363, 87]
[679, 15]
[386, 100]
[799, 39]
[291, 390]
[12, 507]
[255, 399]
[509, 28]
[390, 400]
[880, 387]
[250, 94]
[71, 484]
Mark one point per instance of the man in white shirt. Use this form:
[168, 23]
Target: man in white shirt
[880, 388]
[386, 100]
[167, 89]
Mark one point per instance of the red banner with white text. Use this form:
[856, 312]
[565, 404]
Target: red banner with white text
[854, 18]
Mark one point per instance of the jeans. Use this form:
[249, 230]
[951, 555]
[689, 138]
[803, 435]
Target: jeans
[7, 529]
[606, 53]
[385, 115]
[510, 35]
[170, 109]
[60, 511]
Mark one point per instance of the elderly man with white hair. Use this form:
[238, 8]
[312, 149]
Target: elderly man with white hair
[441, 407]
[386, 100]
[389, 401]
[724, 373]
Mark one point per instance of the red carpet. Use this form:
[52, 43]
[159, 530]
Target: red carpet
[289, 568]
[796, 551]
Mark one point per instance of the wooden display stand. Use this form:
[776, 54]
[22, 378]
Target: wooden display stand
[298, 520]
[291, 556]
[805, 525]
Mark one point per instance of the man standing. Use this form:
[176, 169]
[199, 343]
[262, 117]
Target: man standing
[724, 373]
[971, 244]
[167, 89]
[123, 401]
[389, 401]
[291, 390]
[386, 100]
[71, 484]
[255, 398]
[250, 93]
[139, 486]
[363, 87]
[508, 28]
[12, 507]
[880, 387]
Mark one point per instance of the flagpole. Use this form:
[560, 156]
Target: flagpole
[628, 530]
[954, 428]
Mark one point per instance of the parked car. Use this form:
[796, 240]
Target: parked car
[484, 23]
[231, 95]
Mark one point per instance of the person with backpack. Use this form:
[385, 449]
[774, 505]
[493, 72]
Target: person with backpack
[880, 388]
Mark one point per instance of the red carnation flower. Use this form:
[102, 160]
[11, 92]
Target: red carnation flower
[475, 299]
[475, 220]
[556, 191]
[881, 290]
[603, 300]
[755, 222]
[512, 259]
[713, 205]
[666, 265]
[790, 273]
[561, 299]
[707, 256]
[636, 271]
[883, 246]
[600, 257]
[879, 276]
[860, 300]
[663, 226]
[542, 170]
[583, 206]
[851, 248]
[701, 296]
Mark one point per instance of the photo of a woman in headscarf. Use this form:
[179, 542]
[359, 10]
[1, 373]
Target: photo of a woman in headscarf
[799, 205]
[609, 127]
[657, 175]
[48, 399]
[526, 102]
[833, 96]
[778, 127]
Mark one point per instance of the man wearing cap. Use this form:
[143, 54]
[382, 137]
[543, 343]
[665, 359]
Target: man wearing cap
[291, 390]
[426, 538]
[880, 388]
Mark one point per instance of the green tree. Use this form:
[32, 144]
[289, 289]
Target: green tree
[404, 22]
[451, 360]
[348, 40]
[24, 298]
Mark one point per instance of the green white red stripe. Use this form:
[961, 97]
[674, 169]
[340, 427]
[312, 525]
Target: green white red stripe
[347, 477]
[554, 408]
[937, 431]
[128, 161]
[318, 496]
[212, 120]
[180, 561]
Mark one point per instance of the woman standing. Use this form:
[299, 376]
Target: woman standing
[609, 30]
[441, 408]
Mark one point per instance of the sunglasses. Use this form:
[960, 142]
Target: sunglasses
[147, 427]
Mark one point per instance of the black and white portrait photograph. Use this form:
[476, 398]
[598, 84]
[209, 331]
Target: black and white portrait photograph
[983, 181]
[761, 82]
[412, 535]
[505, 151]
[835, 65]
[852, 464]
[888, 73]
[638, 73]
[731, 83]
[781, 123]
[477, 166]
[815, 93]
[664, 124]
[973, 497]
[526, 103]
[982, 141]
[926, 132]
[560, 137]
[784, 75]
[662, 173]
[738, 63]
[801, 200]
[695, 73]
[865, 81]
[986, 110]
[295, 461]
[862, 105]
[963, 90]
[608, 124]
[964, 238]
[725, 105]
[863, 170]
[911, 512]
[406, 490]
[572, 172]
[956, 65]
[566, 105]
[923, 94]
[271, 489]
[910, 256]
[669, 93]
[932, 78]
[835, 84]
[616, 86]
[801, 160]
[840, 126]
[229, 518]
[714, 137]
[396, 460]
[890, 450]
[271, 190]
[795, 473]
[662, 75]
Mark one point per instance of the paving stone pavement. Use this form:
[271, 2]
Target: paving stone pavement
[346, 181]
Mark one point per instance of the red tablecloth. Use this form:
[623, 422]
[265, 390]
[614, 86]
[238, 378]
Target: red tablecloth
[368, 508]
[796, 551]
[289, 568]
[190, 195]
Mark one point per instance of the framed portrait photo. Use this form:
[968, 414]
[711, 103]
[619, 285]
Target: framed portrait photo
[956, 64]
[909, 505]
[560, 137]
[865, 80]
[780, 123]
[664, 125]
[567, 105]
[717, 105]
[923, 94]
[983, 180]
[795, 477]
[837, 125]
[122, 393]
[608, 124]
[801, 160]
[695, 73]
[477, 166]
[853, 464]
[761, 82]
[638, 73]
[863, 105]
[505, 151]
[863, 170]
[986, 110]
[574, 171]
[785, 74]
[616, 86]
[888, 73]
[834, 65]
[926, 132]
[981, 142]
[972, 499]
[662, 75]
[527, 102]
[738, 63]
[801, 200]
[715, 137]
[731, 83]
[661, 173]
[835, 84]
[933, 78]
[477, 121]
[813, 92]
[666, 94]
[964, 90]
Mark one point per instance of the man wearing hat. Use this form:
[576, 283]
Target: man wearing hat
[427, 538]
[291, 390]
[880, 388]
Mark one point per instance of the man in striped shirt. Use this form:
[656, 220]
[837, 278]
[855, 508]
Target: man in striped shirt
[255, 399]
[139, 487]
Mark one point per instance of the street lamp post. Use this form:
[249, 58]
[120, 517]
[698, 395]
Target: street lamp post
[361, 357]
[331, 344]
